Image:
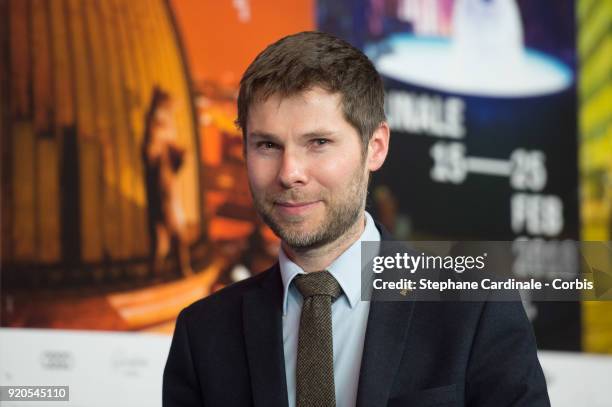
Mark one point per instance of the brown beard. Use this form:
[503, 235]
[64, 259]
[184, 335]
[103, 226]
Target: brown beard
[341, 214]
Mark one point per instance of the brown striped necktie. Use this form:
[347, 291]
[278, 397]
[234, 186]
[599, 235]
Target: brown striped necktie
[315, 355]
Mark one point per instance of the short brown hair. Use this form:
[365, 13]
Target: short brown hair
[302, 61]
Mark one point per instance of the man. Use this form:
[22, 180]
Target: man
[311, 110]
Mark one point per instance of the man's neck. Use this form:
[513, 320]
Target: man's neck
[321, 257]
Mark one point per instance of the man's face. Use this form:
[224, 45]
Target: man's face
[305, 165]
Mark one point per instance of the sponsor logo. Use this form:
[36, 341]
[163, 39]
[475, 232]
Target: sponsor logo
[128, 364]
[56, 360]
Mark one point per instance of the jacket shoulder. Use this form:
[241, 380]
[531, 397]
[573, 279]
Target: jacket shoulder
[228, 298]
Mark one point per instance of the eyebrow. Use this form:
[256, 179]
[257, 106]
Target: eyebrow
[256, 135]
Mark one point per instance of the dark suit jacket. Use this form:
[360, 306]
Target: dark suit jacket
[227, 350]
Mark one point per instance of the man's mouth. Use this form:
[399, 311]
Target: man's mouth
[295, 208]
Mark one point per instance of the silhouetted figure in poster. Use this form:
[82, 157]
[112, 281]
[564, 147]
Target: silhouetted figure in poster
[163, 158]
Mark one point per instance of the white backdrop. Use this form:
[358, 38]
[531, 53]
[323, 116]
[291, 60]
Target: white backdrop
[125, 369]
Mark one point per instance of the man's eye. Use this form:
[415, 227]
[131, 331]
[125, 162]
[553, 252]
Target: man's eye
[266, 145]
[321, 141]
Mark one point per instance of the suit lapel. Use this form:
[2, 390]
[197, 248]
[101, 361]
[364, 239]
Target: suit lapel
[386, 335]
[385, 339]
[263, 331]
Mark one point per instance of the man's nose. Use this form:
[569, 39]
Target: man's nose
[292, 170]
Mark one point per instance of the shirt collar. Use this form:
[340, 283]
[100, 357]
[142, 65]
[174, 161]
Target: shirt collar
[346, 269]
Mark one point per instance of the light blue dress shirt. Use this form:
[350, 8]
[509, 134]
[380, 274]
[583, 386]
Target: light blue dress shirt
[349, 318]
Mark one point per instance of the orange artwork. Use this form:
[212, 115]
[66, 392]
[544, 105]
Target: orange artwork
[119, 210]
[220, 39]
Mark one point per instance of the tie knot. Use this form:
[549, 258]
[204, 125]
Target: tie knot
[318, 283]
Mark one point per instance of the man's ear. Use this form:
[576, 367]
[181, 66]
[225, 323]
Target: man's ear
[378, 147]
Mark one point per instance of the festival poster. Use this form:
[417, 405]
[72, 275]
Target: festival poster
[481, 101]
[124, 193]
[91, 242]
